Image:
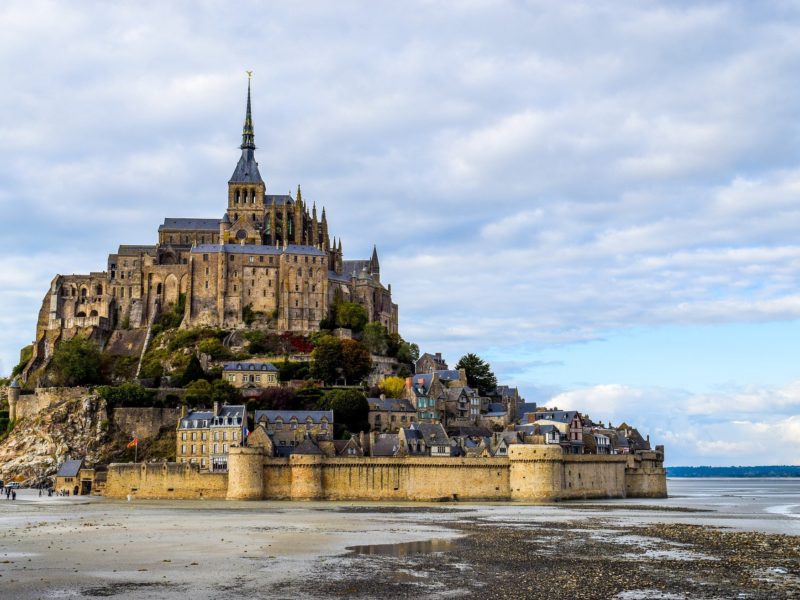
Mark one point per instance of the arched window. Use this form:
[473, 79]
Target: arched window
[99, 290]
[83, 292]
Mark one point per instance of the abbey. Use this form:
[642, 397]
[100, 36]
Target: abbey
[269, 257]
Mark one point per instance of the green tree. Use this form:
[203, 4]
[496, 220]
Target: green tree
[351, 315]
[350, 410]
[192, 372]
[76, 362]
[356, 361]
[374, 338]
[408, 353]
[198, 393]
[327, 359]
[214, 348]
[127, 394]
[224, 393]
[393, 387]
[479, 373]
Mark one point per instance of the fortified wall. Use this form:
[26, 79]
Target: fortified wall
[530, 473]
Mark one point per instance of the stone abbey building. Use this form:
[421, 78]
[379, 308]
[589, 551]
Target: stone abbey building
[269, 255]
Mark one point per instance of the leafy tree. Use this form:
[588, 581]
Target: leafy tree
[350, 410]
[479, 373]
[393, 387]
[214, 348]
[198, 393]
[374, 338]
[277, 398]
[289, 370]
[126, 394]
[76, 362]
[327, 359]
[223, 392]
[351, 315]
[408, 353]
[192, 372]
[356, 361]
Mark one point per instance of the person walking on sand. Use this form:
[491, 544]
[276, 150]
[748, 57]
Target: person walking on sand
[13, 495]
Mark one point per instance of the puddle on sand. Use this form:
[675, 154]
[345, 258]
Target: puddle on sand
[404, 548]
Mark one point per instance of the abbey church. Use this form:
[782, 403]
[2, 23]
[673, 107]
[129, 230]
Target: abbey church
[269, 255]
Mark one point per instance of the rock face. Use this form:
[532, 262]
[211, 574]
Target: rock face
[74, 428]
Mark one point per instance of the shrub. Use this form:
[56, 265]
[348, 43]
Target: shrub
[76, 362]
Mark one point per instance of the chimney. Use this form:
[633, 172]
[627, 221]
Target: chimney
[216, 408]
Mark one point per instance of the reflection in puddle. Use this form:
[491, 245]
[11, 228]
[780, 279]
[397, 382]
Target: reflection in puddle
[404, 548]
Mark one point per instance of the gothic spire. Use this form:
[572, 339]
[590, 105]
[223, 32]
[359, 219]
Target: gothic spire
[248, 135]
[247, 168]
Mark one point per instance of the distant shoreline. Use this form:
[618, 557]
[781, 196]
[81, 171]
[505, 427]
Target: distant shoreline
[757, 472]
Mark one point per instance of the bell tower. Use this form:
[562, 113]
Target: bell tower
[246, 189]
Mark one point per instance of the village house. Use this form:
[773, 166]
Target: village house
[251, 375]
[389, 414]
[428, 363]
[204, 437]
[289, 428]
[426, 439]
[74, 478]
[568, 422]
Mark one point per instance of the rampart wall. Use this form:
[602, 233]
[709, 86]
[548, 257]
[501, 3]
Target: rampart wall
[164, 480]
[531, 473]
[145, 422]
[41, 399]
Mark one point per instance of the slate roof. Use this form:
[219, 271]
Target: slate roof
[386, 444]
[527, 407]
[348, 266]
[497, 407]
[230, 411]
[250, 366]
[278, 199]
[189, 224]
[134, 250]
[307, 446]
[70, 468]
[256, 249]
[506, 391]
[562, 416]
[333, 275]
[246, 170]
[300, 415]
[391, 404]
[431, 433]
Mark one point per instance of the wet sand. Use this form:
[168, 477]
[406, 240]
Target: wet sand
[709, 540]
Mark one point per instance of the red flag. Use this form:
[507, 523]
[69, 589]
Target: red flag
[133, 442]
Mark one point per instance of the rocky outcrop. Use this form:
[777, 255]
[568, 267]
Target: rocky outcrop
[73, 428]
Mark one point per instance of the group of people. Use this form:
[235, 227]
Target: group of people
[11, 493]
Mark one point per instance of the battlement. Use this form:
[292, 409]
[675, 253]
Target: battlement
[531, 473]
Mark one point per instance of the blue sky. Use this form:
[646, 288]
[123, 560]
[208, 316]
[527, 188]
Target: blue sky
[601, 198]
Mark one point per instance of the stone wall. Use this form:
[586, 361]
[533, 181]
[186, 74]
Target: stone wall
[531, 473]
[145, 422]
[30, 405]
[164, 480]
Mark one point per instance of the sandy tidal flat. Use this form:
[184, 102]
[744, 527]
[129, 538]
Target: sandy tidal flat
[738, 540]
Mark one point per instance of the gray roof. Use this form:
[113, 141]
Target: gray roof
[432, 434]
[257, 249]
[249, 366]
[386, 444]
[278, 199]
[527, 407]
[14, 383]
[134, 250]
[190, 224]
[307, 446]
[229, 411]
[333, 275]
[300, 415]
[70, 468]
[391, 404]
[354, 265]
[497, 407]
[246, 170]
[562, 416]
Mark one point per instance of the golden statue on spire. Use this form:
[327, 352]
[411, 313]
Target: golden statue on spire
[249, 74]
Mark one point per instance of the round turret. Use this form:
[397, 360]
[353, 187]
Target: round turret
[245, 474]
[13, 398]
